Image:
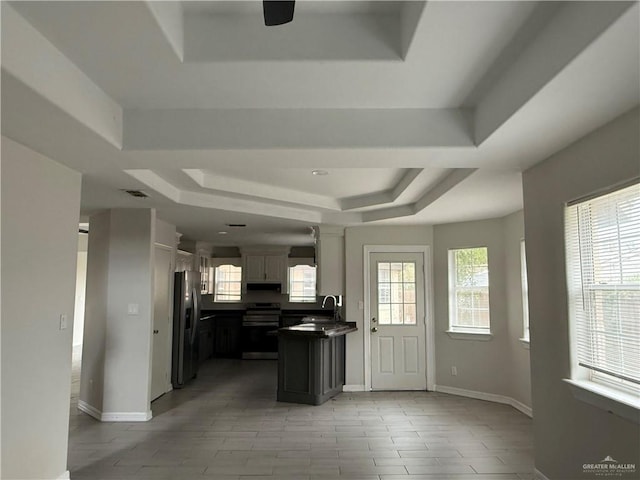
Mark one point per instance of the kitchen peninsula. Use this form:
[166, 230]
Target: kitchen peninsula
[311, 360]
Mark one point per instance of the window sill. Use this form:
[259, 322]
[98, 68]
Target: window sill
[625, 405]
[524, 342]
[467, 335]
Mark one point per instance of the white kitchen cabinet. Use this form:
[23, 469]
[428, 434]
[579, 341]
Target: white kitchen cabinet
[265, 268]
[184, 261]
[265, 265]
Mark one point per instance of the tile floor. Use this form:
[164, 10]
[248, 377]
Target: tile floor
[226, 425]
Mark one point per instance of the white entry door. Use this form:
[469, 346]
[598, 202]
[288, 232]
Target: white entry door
[161, 322]
[397, 324]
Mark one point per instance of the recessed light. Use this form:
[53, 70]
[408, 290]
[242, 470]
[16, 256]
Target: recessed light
[222, 233]
[319, 172]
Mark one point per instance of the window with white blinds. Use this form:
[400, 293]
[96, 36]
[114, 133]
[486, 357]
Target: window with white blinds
[603, 276]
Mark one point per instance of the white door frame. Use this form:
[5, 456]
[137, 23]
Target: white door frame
[169, 346]
[430, 356]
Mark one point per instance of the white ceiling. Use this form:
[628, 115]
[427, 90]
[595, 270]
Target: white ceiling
[419, 112]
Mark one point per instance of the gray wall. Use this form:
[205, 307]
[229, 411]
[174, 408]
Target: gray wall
[117, 345]
[483, 366]
[40, 212]
[568, 432]
[520, 381]
[355, 240]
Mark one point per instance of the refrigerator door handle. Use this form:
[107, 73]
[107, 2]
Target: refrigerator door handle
[195, 317]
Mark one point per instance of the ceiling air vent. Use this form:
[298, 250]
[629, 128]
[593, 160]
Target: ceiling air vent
[236, 225]
[136, 193]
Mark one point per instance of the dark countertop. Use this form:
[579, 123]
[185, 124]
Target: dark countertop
[319, 330]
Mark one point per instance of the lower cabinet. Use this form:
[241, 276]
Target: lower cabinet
[227, 336]
[205, 336]
[310, 369]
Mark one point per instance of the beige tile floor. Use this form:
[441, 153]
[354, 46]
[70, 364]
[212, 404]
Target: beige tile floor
[227, 425]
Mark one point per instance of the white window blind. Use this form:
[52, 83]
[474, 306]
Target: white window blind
[603, 277]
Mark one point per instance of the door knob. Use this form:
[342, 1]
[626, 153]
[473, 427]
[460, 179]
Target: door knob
[155, 332]
[374, 329]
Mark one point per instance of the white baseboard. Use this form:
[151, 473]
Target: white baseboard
[126, 416]
[353, 388]
[538, 475]
[64, 476]
[489, 397]
[114, 416]
[89, 410]
[521, 406]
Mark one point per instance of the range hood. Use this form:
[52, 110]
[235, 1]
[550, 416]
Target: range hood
[264, 287]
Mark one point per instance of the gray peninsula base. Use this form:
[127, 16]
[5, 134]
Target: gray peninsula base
[310, 367]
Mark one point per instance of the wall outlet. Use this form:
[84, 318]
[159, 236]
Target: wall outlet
[132, 309]
[454, 371]
[63, 321]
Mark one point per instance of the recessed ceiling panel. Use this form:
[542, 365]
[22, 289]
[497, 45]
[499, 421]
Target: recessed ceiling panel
[235, 31]
[338, 183]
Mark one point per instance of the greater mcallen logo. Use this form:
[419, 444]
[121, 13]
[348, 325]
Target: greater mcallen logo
[608, 467]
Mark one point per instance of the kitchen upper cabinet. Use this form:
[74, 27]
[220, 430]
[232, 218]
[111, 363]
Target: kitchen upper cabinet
[184, 261]
[265, 268]
[206, 274]
[329, 259]
[275, 268]
[265, 265]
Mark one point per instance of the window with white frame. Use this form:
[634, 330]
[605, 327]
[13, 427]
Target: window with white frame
[525, 292]
[302, 283]
[603, 278]
[228, 282]
[469, 290]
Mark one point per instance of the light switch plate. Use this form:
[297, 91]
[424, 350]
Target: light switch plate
[63, 321]
[133, 309]
[360, 305]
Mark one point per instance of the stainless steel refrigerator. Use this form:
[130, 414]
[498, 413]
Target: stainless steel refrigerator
[186, 317]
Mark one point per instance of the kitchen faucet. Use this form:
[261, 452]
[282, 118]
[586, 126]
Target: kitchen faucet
[336, 315]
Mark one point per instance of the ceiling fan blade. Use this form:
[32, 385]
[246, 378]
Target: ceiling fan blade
[277, 12]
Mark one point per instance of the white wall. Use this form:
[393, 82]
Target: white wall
[355, 240]
[116, 362]
[568, 432]
[81, 289]
[40, 213]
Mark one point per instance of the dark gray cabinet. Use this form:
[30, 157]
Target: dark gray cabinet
[310, 369]
[226, 342]
[205, 336]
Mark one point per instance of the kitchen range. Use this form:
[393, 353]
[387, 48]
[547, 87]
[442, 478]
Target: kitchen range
[259, 323]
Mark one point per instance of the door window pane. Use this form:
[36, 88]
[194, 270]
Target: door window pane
[396, 286]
